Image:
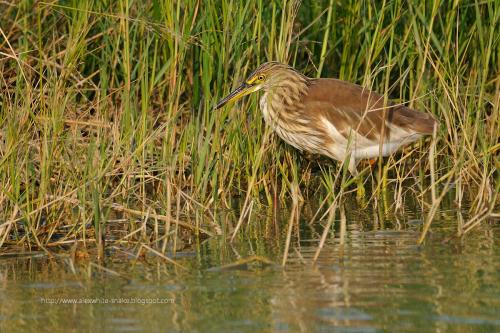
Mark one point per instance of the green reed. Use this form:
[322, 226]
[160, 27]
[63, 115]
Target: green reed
[107, 111]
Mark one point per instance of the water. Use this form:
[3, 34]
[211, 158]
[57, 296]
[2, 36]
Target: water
[380, 281]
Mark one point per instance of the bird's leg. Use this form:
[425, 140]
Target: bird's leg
[352, 166]
[372, 162]
[360, 192]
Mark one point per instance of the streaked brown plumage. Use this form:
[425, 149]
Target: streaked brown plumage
[331, 117]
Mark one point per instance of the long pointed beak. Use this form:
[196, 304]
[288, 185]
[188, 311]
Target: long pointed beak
[242, 90]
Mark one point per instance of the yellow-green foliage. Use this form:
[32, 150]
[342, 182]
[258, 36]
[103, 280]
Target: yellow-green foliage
[108, 105]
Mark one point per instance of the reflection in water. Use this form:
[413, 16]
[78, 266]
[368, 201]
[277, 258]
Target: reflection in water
[380, 281]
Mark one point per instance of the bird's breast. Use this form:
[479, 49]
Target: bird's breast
[290, 125]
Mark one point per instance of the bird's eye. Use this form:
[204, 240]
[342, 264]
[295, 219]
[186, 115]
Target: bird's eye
[261, 77]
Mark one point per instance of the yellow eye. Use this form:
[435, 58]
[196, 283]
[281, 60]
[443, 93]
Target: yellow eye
[261, 77]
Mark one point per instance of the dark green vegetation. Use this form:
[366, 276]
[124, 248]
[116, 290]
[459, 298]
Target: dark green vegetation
[107, 114]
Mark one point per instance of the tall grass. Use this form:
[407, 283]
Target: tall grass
[107, 112]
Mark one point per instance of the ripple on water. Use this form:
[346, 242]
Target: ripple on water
[379, 281]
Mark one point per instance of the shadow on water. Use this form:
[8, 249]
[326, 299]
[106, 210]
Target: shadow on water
[378, 281]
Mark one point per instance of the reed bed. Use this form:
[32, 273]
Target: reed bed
[108, 133]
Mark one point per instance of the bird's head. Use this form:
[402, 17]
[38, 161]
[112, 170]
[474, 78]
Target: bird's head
[265, 77]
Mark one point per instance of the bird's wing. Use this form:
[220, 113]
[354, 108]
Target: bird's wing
[350, 107]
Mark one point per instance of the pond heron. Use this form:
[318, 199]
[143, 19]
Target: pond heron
[331, 117]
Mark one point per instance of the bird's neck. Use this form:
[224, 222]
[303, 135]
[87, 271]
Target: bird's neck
[288, 90]
[281, 103]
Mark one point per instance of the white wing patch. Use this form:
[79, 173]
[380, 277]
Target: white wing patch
[361, 147]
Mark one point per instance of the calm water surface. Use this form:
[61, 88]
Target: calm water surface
[380, 282]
